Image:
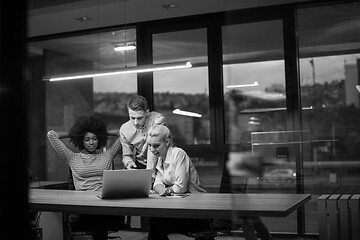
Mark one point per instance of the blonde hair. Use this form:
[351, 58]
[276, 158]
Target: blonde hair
[160, 131]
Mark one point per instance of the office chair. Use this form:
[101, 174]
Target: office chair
[73, 226]
[226, 227]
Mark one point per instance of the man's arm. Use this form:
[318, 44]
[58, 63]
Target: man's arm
[128, 162]
[127, 152]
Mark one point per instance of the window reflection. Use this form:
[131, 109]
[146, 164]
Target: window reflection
[255, 100]
[328, 84]
[210, 170]
[329, 39]
[111, 95]
[255, 106]
[183, 91]
[253, 77]
[105, 97]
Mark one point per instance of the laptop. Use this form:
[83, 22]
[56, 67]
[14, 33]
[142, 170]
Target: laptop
[134, 183]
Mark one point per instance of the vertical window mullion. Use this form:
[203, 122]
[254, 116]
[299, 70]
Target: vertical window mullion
[216, 86]
[294, 102]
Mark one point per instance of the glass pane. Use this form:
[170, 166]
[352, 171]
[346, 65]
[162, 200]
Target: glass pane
[86, 52]
[329, 40]
[253, 75]
[180, 92]
[255, 99]
[255, 110]
[111, 95]
[210, 172]
[105, 97]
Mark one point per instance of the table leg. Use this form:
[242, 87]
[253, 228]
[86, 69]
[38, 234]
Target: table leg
[248, 229]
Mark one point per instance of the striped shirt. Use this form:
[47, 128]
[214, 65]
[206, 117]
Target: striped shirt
[87, 169]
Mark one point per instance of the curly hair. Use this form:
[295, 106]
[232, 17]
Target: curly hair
[85, 124]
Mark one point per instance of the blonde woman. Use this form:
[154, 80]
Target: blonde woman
[175, 174]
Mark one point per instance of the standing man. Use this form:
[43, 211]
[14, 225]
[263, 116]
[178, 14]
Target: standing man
[133, 134]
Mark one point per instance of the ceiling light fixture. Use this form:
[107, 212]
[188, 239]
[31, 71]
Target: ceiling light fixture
[244, 85]
[116, 71]
[169, 6]
[186, 113]
[108, 72]
[83, 19]
[124, 47]
[261, 110]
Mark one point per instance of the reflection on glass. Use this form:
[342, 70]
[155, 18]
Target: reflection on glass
[255, 109]
[210, 171]
[85, 52]
[254, 80]
[65, 101]
[111, 95]
[184, 91]
[328, 84]
[329, 38]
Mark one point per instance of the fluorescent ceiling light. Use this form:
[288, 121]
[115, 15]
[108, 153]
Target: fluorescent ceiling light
[260, 110]
[244, 85]
[125, 70]
[269, 96]
[186, 113]
[123, 47]
[253, 123]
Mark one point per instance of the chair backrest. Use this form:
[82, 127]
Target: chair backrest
[230, 184]
[71, 185]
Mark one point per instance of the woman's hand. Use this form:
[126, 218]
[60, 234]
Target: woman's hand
[162, 191]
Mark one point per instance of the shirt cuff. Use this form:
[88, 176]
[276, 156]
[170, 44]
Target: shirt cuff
[127, 162]
[177, 189]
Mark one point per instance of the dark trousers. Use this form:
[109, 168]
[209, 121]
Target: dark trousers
[97, 225]
[160, 228]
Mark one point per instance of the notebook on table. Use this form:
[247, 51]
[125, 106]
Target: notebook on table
[134, 183]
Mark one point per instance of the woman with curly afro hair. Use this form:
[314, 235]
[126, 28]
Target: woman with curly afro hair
[89, 134]
[84, 125]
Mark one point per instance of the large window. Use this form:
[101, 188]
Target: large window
[255, 98]
[329, 41]
[254, 79]
[185, 90]
[255, 107]
[244, 105]
[105, 97]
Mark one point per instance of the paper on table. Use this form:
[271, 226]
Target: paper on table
[173, 195]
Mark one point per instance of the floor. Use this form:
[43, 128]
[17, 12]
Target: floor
[132, 235]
